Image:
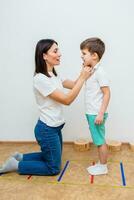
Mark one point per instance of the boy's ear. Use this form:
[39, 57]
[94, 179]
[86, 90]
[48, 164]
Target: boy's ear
[95, 55]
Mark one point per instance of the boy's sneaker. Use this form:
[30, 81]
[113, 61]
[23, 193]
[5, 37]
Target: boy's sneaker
[98, 169]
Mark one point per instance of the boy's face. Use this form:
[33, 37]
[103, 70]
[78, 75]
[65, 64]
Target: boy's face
[87, 57]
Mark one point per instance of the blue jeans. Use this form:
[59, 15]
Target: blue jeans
[48, 161]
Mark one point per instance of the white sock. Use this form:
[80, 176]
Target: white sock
[17, 156]
[10, 165]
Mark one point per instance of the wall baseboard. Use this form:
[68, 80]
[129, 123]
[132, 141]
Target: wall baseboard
[34, 142]
[27, 142]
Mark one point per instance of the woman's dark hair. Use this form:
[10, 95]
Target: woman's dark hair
[42, 47]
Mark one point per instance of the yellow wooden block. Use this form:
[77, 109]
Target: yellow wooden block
[114, 145]
[131, 144]
[82, 144]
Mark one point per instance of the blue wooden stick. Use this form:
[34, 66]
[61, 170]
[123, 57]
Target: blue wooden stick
[122, 174]
[63, 171]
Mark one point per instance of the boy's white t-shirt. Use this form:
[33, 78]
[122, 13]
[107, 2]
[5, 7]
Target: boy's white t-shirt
[50, 110]
[93, 93]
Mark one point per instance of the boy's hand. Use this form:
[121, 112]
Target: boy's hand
[99, 119]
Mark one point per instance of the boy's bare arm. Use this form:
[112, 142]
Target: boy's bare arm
[104, 105]
[106, 98]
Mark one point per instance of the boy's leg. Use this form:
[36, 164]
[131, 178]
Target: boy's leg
[102, 148]
[98, 136]
[103, 153]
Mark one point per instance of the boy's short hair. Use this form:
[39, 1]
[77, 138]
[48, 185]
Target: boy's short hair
[94, 45]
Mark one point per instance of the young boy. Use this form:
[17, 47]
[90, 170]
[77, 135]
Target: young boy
[97, 95]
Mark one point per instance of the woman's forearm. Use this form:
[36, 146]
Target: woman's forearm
[72, 94]
[68, 98]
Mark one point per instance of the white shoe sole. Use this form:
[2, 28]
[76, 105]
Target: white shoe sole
[99, 172]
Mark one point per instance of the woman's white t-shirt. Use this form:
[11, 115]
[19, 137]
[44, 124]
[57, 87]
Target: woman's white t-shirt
[50, 110]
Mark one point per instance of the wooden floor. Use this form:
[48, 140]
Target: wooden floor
[75, 184]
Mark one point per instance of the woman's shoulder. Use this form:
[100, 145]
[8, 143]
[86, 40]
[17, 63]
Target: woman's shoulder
[40, 76]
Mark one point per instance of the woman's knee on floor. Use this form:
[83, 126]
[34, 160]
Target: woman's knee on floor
[55, 170]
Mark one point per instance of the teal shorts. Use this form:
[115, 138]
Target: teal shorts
[97, 131]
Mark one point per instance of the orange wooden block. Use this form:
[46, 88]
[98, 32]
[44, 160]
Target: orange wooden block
[114, 145]
[131, 144]
[82, 145]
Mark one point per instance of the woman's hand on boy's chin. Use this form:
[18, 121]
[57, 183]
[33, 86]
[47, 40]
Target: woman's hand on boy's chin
[84, 65]
[91, 68]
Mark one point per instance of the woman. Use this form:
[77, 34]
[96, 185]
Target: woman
[50, 97]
